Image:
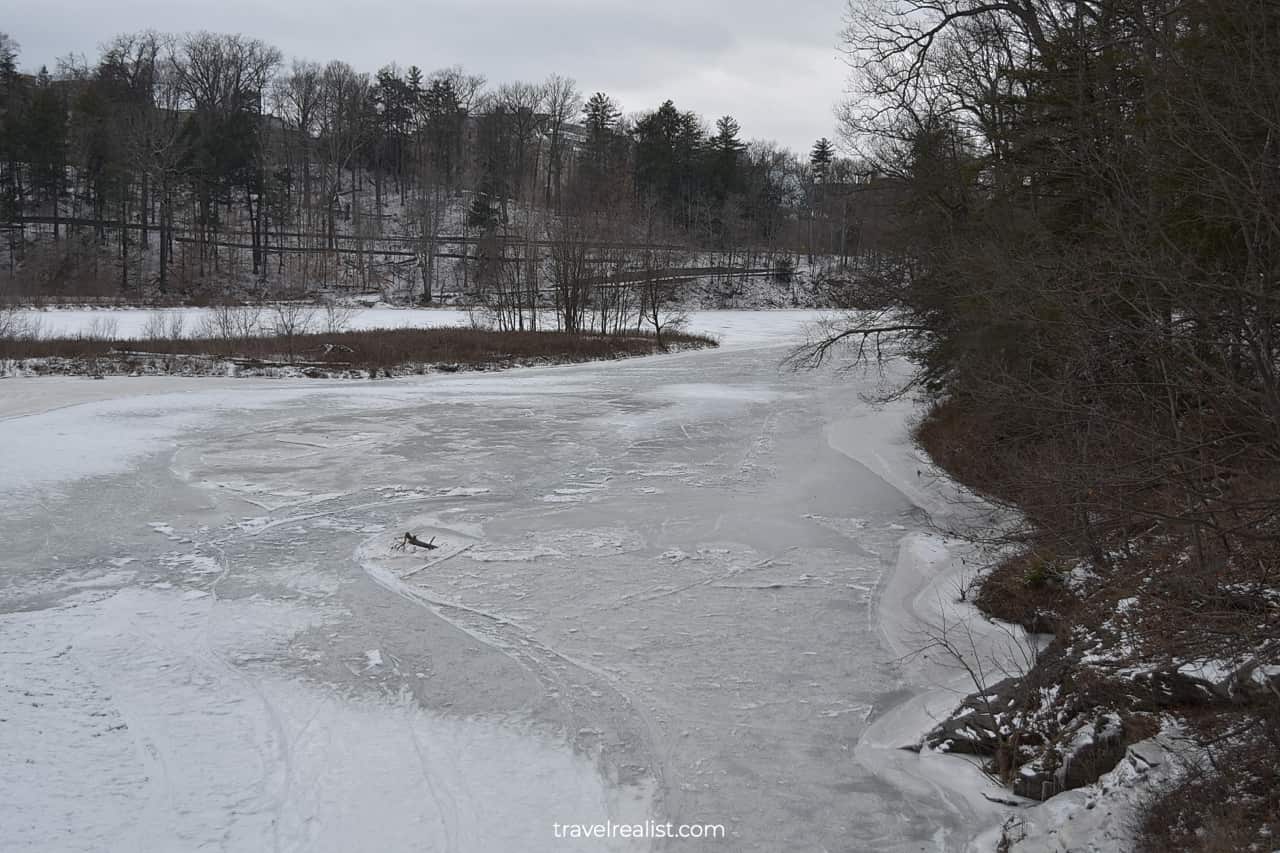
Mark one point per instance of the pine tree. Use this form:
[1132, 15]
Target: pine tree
[482, 214]
[601, 115]
[8, 58]
[820, 159]
[669, 159]
[46, 138]
[444, 116]
[11, 134]
[726, 149]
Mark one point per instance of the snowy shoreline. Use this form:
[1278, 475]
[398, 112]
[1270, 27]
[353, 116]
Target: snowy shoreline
[923, 590]
[919, 591]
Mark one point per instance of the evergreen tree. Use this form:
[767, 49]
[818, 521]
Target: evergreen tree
[393, 103]
[46, 141]
[669, 146]
[8, 58]
[413, 78]
[600, 116]
[820, 158]
[12, 118]
[444, 115]
[726, 155]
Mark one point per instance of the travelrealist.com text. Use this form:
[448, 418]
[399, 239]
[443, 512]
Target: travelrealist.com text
[648, 829]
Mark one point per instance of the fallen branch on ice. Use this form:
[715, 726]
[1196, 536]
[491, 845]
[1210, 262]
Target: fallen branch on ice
[409, 539]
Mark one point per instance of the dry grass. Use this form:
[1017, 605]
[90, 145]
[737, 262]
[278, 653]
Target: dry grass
[1028, 590]
[377, 349]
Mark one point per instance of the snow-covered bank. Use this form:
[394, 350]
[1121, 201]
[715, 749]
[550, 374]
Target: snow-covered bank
[1098, 818]
[734, 327]
[132, 323]
[917, 599]
[916, 603]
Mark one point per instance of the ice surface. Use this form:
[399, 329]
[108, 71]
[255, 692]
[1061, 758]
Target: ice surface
[147, 721]
[709, 628]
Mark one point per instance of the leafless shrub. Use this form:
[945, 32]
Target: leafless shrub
[154, 327]
[162, 325]
[101, 329]
[337, 317]
[17, 325]
[997, 668]
[660, 307]
[289, 320]
[231, 323]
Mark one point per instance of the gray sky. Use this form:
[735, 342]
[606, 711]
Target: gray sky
[773, 65]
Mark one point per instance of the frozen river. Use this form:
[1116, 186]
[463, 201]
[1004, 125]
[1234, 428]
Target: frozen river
[660, 594]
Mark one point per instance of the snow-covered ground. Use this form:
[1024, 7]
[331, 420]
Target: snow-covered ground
[677, 588]
[739, 327]
[131, 323]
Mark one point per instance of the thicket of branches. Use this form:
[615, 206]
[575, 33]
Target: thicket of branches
[203, 157]
[1091, 283]
[1090, 289]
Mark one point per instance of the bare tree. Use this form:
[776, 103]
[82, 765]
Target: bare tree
[661, 285]
[573, 268]
[290, 320]
[297, 99]
[563, 103]
[224, 77]
[342, 135]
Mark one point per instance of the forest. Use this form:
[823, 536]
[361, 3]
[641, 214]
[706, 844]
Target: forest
[189, 166]
[1090, 293]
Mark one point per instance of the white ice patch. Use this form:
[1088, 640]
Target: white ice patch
[104, 581]
[512, 555]
[149, 721]
[850, 527]
[199, 564]
[575, 498]
[595, 542]
[700, 392]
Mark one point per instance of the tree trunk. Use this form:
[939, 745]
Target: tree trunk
[144, 213]
[124, 243]
[164, 239]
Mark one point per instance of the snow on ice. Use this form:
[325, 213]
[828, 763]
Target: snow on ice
[674, 588]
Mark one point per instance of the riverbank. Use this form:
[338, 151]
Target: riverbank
[366, 354]
[1142, 715]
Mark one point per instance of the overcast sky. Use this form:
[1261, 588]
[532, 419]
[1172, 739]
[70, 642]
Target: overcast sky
[772, 64]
